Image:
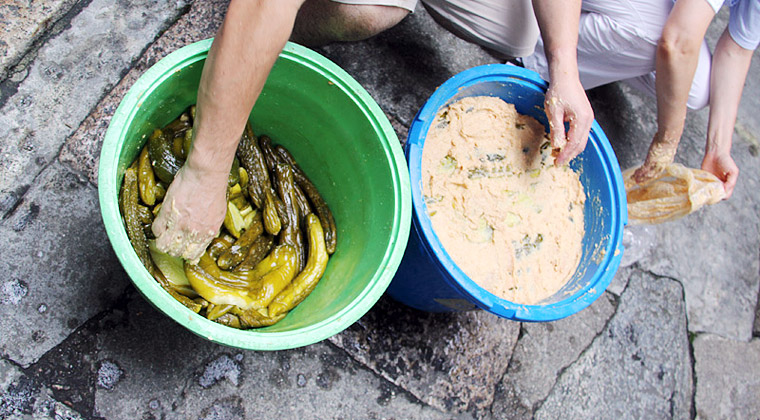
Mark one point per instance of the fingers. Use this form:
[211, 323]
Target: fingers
[730, 182]
[577, 137]
[556, 117]
[568, 104]
[159, 224]
[647, 172]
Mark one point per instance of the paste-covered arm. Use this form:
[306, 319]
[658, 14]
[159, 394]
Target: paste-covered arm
[675, 63]
[241, 56]
[729, 71]
[566, 100]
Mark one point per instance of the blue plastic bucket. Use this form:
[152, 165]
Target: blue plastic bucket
[429, 280]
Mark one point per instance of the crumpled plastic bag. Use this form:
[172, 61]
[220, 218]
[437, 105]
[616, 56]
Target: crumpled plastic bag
[676, 192]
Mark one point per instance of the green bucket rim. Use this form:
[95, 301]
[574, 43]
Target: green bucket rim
[109, 182]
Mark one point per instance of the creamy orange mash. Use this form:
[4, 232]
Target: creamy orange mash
[510, 219]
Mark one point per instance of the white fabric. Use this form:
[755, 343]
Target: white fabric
[617, 40]
[744, 23]
[508, 27]
[715, 4]
[404, 4]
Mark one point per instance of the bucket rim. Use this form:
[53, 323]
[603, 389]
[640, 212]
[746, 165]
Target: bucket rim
[422, 226]
[256, 339]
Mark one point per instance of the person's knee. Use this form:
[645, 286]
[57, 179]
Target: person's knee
[323, 21]
[362, 22]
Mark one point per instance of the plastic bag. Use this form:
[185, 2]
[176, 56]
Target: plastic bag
[676, 192]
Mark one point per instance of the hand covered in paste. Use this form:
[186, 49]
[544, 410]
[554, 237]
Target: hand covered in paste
[192, 213]
[567, 102]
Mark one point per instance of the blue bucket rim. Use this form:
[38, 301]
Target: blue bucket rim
[432, 245]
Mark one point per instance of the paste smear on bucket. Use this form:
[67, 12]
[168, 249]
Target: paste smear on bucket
[510, 219]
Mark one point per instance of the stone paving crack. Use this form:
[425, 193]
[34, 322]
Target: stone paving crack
[69, 369]
[8, 87]
[400, 391]
[615, 301]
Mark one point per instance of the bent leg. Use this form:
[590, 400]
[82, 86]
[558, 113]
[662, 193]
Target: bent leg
[321, 22]
[505, 27]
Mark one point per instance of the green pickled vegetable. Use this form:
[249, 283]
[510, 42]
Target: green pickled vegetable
[254, 289]
[216, 311]
[253, 318]
[320, 206]
[173, 270]
[257, 251]
[291, 234]
[272, 220]
[220, 244]
[242, 280]
[216, 290]
[129, 205]
[277, 269]
[308, 278]
[146, 179]
[165, 163]
[252, 160]
[270, 157]
[234, 177]
[233, 256]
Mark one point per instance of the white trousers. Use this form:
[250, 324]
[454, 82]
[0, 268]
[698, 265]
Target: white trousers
[507, 27]
[617, 41]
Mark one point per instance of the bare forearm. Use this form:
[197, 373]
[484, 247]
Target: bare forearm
[558, 21]
[729, 71]
[243, 52]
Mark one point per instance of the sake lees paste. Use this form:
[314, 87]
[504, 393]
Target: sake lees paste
[510, 219]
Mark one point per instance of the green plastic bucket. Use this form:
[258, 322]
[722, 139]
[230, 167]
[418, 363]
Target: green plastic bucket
[342, 140]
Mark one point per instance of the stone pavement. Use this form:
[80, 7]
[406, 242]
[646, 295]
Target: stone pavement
[674, 336]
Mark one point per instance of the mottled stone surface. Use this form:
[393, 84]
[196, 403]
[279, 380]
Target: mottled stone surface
[545, 350]
[69, 75]
[58, 267]
[452, 361]
[22, 397]
[182, 376]
[24, 22]
[82, 149]
[638, 367]
[727, 385]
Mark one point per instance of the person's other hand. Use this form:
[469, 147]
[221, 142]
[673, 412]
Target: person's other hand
[192, 212]
[567, 102]
[724, 167]
[661, 154]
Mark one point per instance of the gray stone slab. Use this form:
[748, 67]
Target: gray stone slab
[58, 268]
[151, 367]
[451, 361]
[24, 22]
[545, 350]
[68, 77]
[714, 254]
[638, 367]
[82, 149]
[23, 398]
[727, 385]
